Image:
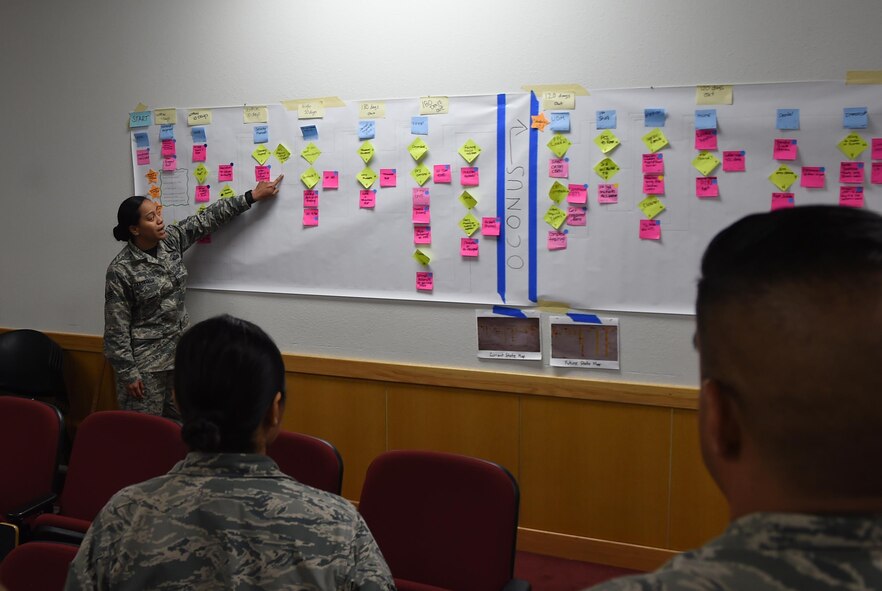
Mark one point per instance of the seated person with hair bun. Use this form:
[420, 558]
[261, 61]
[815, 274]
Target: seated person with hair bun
[226, 517]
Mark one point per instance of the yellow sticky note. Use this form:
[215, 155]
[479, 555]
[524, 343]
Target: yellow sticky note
[254, 115]
[199, 117]
[310, 177]
[434, 105]
[783, 177]
[555, 217]
[310, 153]
[651, 206]
[606, 141]
[467, 200]
[558, 192]
[140, 107]
[559, 144]
[366, 151]
[282, 153]
[371, 110]
[470, 150]
[261, 154]
[655, 140]
[418, 149]
[227, 192]
[421, 257]
[469, 224]
[421, 174]
[367, 177]
[852, 145]
[606, 168]
[201, 173]
[705, 162]
[165, 116]
[713, 94]
[558, 100]
[315, 110]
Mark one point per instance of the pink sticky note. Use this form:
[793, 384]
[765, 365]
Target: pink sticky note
[559, 168]
[576, 216]
[577, 194]
[654, 184]
[169, 164]
[851, 196]
[813, 177]
[608, 193]
[143, 156]
[261, 173]
[706, 186]
[168, 148]
[442, 173]
[421, 214]
[650, 229]
[705, 139]
[876, 149]
[425, 281]
[557, 240]
[225, 173]
[420, 196]
[785, 149]
[203, 193]
[388, 177]
[310, 198]
[782, 201]
[330, 179]
[654, 163]
[468, 176]
[490, 226]
[468, 247]
[367, 199]
[851, 172]
[734, 161]
[422, 235]
[200, 151]
[310, 216]
[876, 174]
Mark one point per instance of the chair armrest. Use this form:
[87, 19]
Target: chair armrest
[517, 585]
[41, 505]
[50, 533]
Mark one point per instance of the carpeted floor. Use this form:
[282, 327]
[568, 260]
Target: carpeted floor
[548, 573]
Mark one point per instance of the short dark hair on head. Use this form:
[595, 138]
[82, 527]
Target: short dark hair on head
[127, 215]
[227, 373]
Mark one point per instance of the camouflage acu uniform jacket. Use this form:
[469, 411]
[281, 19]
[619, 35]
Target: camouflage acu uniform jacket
[144, 312]
[227, 521]
[775, 551]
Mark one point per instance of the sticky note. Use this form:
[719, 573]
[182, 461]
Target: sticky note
[261, 154]
[372, 110]
[199, 117]
[876, 173]
[366, 177]
[422, 234]
[203, 193]
[388, 177]
[367, 129]
[168, 148]
[200, 151]
[155, 192]
[706, 187]
[556, 99]
[201, 173]
[655, 140]
[653, 164]
[705, 119]
[577, 193]
[576, 216]
[556, 240]
[469, 176]
[555, 217]
[875, 154]
[225, 173]
[468, 200]
[366, 151]
[254, 114]
[558, 192]
[165, 116]
[468, 247]
[713, 94]
[420, 196]
[607, 193]
[309, 133]
[310, 153]
[855, 118]
[651, 206]
[310, 110]
[782, 201]
[851, 172]
[560, 122]
[420, 214]
[169, 164]
[469, 151]
[142, 141]
[198, 134]
[606, 119]
[167, 132]
[851, 196]
[705, 139]
[227, 192]
[417, 149]
[490, 226]
[654, 117]
[813, 177]
[606, 168]
[367, 199]
[787, 119]
[654, 184]
[330, 179]
[310, 177]
[140, 119]
[559, 144]
[783, 177]
[469, 224]
[705, 162]
[852, 145]
[734, 161]
[260, 133]
[606, 141]
[442, 173]
[310, 216]
[425, 281]
[421, 174]
[310, 198]
[539, 121]
[152, 176]
[559, 168]
[434, 105]
[282, 153]
[784, 149]
[142, 156]
[650, 229]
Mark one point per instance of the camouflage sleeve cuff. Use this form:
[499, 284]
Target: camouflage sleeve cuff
[249, 198]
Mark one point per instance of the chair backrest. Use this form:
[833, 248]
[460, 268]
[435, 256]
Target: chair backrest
[442, 519]
[37, 566]
[30, 445]
[31, 365]
[114, 449]
[309, 460]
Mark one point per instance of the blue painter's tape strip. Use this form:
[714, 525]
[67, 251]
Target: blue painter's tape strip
[531, 216]
[506, 311]
[587, 318]
[500, 194]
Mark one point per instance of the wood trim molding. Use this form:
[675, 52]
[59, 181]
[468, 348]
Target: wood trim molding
[642, 558]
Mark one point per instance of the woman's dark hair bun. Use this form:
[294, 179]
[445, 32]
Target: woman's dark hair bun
[121, 233]
[202, 434]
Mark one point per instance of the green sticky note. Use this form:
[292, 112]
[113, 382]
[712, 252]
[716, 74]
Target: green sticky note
[852, 145]
[418, 149]
[367, 177]
[558, 192]
[227, 192]
[201, 173]
[559, 144]
[555, 217]
[606, 168]
[366, 151]
[655, 140]
[470, 150]
[421, 257]
[282, 153]
[783, 177]
[261, 153]
[651, 206]
[310, 153]
[705, 162]
[467, 200]
[606, 141]
[310, 177]
[469, 224]
[421, 174]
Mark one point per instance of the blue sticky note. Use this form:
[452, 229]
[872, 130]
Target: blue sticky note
[166, 132]
[606, 119]
[367, 128]
[261, 134]
[419, 125]
[787, 119]
[198, 135]
[855, 118]
[654, 117]
[560, 122]
[310, 132]
[705, 119]
[141, 140]
[140, 118]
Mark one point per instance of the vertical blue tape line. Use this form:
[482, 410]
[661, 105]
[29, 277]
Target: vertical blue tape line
[531, 217]
[500, 194]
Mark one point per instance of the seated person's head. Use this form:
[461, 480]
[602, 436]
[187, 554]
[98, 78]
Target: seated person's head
[229, 385]
[789, 316]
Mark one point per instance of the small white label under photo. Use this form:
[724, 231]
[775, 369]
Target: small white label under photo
[509, 333]
[584, 341]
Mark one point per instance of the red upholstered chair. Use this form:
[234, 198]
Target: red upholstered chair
[443, 521]
[37, 566]
[309, 460]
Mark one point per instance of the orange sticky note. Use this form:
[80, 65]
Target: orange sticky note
[540, 121]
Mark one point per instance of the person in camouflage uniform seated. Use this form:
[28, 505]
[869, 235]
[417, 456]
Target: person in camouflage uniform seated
[226, 517]
[144, 313]
[789, 335]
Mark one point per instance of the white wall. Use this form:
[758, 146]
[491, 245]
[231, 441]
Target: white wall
[71, 72]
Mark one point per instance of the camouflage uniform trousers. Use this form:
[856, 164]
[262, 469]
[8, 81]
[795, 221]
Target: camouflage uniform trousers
[158, 395]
